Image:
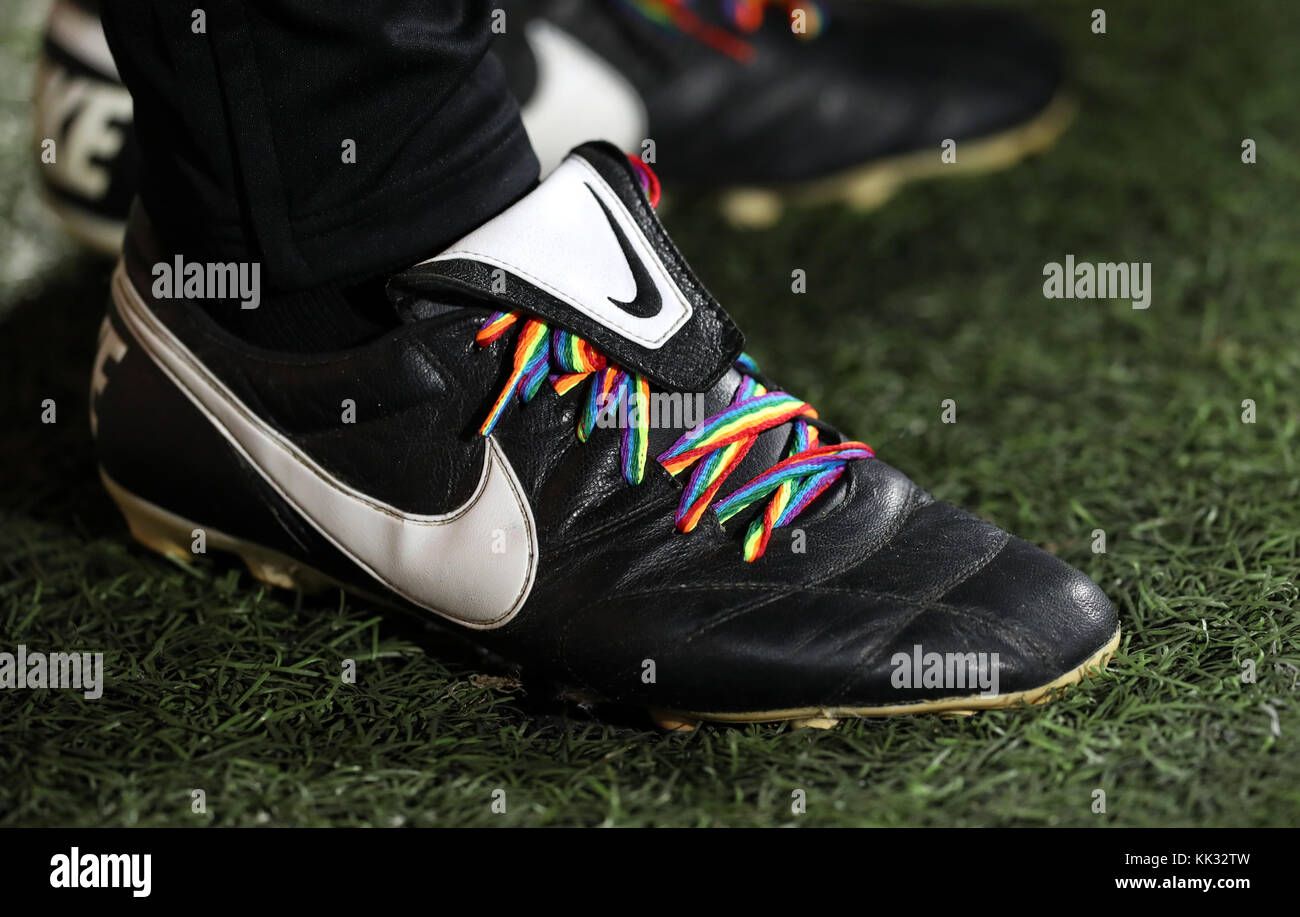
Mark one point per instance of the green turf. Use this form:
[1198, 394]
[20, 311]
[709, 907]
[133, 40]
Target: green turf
[1071, 416]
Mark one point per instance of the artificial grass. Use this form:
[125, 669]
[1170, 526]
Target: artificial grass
[1072, 416]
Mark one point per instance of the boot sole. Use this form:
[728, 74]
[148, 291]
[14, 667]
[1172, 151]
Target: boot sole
[826, 717]
[865, 188]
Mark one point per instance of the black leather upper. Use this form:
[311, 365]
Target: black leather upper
[883, 78]
[872, 569]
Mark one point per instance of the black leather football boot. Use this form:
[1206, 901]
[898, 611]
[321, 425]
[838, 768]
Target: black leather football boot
[562, 450]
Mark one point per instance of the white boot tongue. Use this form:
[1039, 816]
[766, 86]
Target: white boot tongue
[585, 252]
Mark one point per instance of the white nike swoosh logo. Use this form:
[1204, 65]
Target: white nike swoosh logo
[474, 565]
[579, 97]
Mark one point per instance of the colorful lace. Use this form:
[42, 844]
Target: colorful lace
[715, 447]
[745, 15]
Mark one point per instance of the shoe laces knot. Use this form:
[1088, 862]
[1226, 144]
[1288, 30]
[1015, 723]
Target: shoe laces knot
[714, 447]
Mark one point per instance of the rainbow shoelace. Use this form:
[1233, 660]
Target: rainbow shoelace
[746, 15]
[714, 447]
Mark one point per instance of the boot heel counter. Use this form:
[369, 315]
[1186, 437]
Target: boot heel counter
[109, 353]
[153, 442]
[136, 415]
